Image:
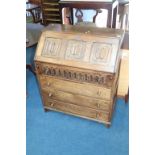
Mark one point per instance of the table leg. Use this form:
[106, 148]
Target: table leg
[109, 21]
[115, 12]
[72, 16]
[61, 16]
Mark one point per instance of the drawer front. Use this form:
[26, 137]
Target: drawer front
[76, 99]
[75, 88]
[75, 74]
[77, 110]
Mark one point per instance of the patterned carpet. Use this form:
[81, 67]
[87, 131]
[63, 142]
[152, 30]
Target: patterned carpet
[54, 133]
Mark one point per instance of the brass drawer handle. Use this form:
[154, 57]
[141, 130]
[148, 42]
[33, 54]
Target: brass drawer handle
[99, 93]
[50, 94]
[98, 105]
[48, 84]
[52, 104]
[111, 77]
[97, 115]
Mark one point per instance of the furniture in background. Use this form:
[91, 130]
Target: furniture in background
[34, 11]
[124, 75]
[125, 44]
[78, 70]
[50, 12]
[111, 6]
[123, 87]
[30, 52]
[38, 2]
[33, 32]
[123, 13]
[79, 15]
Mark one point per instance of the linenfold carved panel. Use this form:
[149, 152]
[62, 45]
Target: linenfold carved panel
[100, 53]
[75, 50]
[51, 47]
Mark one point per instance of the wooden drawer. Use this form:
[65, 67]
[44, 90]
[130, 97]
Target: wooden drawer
[77, 110]
[75, 88]
[76, 99]
[76, 75]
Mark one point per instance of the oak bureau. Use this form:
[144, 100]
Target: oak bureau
[78, 68]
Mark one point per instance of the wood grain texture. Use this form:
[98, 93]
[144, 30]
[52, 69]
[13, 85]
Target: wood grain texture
[77, 88]
[78, 72]
[76, 99]
[124, 74]
[77, 110]
[83, 45]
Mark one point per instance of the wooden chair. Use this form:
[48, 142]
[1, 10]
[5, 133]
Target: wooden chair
[33, 13]
[33, 32]
[79, 16]
[110, 6]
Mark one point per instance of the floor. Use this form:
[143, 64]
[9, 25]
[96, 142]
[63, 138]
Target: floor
[54, 133]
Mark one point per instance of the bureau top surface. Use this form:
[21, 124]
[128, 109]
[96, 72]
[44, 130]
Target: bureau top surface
[80, 46]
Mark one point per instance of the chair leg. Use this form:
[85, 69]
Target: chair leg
[127, 97]
[30, 68]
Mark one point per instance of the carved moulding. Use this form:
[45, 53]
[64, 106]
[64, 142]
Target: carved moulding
[76, 75]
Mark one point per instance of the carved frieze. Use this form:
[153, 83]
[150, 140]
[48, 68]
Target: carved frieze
[79, 76]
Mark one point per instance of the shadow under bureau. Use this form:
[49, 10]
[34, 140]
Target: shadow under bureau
[77, 69]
